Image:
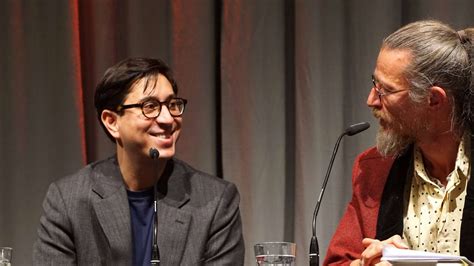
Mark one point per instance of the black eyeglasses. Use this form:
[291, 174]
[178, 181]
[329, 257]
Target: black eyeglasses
[381, 91]
[152, 108]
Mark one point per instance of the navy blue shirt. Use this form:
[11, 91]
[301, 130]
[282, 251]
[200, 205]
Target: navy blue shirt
[142, 214]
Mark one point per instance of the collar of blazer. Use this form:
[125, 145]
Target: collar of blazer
[173, 186]
[113, 214]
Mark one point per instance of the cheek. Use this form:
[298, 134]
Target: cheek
[179, 123]
[178, 128]
[395, 113]
[139, 127]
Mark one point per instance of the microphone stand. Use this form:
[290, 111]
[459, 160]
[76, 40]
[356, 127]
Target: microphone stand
[155, 251]
[314, 246]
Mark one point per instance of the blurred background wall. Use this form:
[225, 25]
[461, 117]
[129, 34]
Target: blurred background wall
[270, 83]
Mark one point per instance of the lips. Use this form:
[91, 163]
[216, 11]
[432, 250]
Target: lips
[164, 135]
[382, 121]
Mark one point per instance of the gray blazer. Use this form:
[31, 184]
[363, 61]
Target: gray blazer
[86, 219]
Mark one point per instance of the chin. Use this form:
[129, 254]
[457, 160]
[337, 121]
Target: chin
[167, 153]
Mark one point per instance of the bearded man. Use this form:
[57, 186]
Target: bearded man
[415, 189]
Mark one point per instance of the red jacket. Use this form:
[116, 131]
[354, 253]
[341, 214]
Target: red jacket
[376, 207]
[369, 174]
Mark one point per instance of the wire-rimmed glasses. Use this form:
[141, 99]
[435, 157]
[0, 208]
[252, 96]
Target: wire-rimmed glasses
[381, 91]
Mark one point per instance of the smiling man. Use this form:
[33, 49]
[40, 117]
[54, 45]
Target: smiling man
[415, 189]
[141, 206]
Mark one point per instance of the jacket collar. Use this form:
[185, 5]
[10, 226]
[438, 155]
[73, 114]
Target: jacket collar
[390, 217]
[112, 209]
[173, 186]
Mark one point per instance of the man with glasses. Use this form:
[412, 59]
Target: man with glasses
[141, 206]
[415, 190]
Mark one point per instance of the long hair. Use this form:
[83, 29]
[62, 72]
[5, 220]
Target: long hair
[440, 56]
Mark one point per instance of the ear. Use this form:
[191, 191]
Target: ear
[438, 97]
[110, 121]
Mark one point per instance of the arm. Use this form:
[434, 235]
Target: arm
[360, 218]
[54, 245]
[346, 244]
[368, 251]
[225, 245]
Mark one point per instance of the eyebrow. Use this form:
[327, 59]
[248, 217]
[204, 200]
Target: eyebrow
[152, 98]
[384, 85]
[376, 79]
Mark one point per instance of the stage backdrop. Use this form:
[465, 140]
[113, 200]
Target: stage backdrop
[271, 84]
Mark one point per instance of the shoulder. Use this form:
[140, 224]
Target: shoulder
[203, 183]
[371, 158]
[84, 178]
[196, 175]
[370, 171]
[370, 154]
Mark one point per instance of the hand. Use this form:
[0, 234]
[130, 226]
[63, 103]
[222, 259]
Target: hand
[359, 263]
[374, 247]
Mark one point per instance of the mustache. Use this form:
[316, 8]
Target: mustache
[377, 114]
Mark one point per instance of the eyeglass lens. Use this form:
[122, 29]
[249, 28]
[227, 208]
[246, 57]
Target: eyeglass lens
[152, 109]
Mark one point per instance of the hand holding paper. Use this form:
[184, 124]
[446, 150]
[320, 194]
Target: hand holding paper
[374, 247]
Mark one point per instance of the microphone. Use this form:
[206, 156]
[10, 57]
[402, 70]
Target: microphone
[155, 252]
[356, 128]
[313, 246]
[154, 153]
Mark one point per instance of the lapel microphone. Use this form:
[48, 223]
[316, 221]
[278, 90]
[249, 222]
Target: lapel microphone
[155, 252]
[313, 246]
[154, 153]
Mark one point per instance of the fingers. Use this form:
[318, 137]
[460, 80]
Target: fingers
[383, 263]
[373, 249]
[372, 252]
[361, 263]
[367, 241]
[397, 242]
[355, 263]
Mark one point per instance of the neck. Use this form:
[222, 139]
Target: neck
[139, 172]
[439, 154]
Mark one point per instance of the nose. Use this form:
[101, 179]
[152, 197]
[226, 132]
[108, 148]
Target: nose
[165, 116]
[373, 101]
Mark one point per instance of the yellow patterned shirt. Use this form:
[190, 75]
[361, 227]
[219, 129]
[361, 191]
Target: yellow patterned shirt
[432, 220]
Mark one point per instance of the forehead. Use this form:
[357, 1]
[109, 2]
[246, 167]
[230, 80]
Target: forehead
[391, 66]
[157, 86]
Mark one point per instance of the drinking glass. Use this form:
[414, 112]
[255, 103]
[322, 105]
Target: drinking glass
[5, 256]
[275, 253]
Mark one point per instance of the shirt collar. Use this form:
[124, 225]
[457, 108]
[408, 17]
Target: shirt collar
[461, 164]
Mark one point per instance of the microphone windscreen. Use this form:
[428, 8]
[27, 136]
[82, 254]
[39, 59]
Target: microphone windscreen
[357, 128]
[154, 153]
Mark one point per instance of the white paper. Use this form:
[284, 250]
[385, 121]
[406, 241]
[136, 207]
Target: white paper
[393, 254]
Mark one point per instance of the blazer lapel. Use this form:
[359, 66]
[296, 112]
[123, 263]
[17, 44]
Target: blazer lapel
[173, 221]
[112, 210]
[390, 217]
[173, 227]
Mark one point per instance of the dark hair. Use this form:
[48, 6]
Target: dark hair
[119, 79]
[440, 56]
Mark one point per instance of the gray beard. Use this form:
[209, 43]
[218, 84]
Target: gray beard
[390, 143]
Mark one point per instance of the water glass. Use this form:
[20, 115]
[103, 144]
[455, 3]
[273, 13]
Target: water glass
[275, 253]
[5, 256]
